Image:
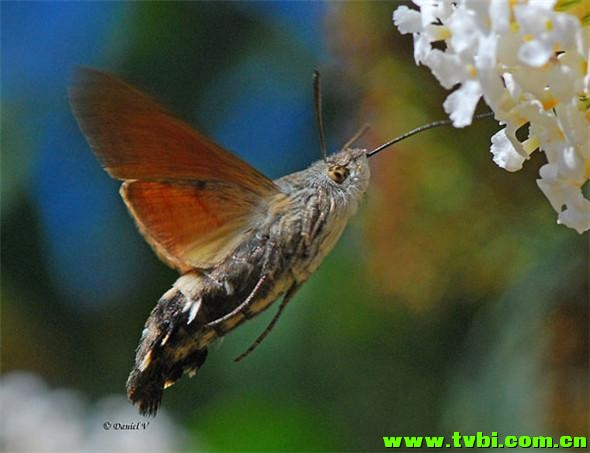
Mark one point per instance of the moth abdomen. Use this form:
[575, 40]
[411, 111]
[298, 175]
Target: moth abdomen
[167, 350]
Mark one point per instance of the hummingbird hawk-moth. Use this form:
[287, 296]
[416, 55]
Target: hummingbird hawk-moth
[239, 240]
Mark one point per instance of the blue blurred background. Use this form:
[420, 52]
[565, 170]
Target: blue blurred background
[452, 303]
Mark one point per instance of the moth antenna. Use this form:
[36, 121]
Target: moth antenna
[364, 128]
[317, 95]
[422, 129]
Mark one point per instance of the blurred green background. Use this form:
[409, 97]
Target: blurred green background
[453, 302]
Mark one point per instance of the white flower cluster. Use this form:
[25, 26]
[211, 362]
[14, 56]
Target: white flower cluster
[530, 62]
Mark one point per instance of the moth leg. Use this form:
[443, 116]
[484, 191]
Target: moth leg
[290, 292]
[240, 308]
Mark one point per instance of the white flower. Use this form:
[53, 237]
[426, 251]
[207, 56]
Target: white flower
[530, 63]
[542, 30]
[565, 198]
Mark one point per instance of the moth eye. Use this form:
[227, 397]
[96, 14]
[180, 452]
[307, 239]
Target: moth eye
[338, 173]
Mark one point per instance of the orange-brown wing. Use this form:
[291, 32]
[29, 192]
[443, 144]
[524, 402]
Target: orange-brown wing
[191, 199]
[135, 138]
[194, 224]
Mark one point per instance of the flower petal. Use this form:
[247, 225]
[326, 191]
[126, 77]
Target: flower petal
[500, 15]
[465, 31]
[407, 20]
[460, 104]
[505, 155]
[535, 53]
[576, 215]
[434, 10]
[447, 68]
[567, 200]
[422, 47]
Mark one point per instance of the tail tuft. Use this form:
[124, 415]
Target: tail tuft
[145, 391]
[146, 388]
[167, 350]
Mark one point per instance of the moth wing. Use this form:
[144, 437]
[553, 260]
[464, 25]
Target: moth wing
[135, 138]
[191, 199]
[194, 224]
